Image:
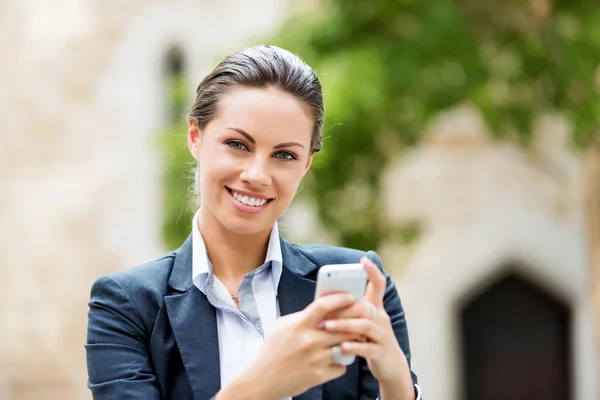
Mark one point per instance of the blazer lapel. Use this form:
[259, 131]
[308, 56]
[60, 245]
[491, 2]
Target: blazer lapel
[194, 323]
[295, 292]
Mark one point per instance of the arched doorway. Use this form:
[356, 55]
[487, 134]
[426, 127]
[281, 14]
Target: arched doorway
[515, 341]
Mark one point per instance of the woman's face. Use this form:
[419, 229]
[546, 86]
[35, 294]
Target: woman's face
[252, 156]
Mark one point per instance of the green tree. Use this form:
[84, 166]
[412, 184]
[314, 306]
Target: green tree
[177, 161]
[389, 66]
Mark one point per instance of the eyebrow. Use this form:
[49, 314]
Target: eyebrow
[251, 139]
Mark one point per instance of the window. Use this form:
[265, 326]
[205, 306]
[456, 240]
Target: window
[177, 160]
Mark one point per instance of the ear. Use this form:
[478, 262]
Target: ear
[194, 138]
[308, 164]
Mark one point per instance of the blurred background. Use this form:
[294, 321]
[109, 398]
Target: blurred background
[462, 143]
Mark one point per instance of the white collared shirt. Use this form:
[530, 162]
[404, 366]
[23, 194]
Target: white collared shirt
[259, 307]
[241, 331]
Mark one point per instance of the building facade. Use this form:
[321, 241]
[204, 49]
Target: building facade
[80, 174]
[80, 185]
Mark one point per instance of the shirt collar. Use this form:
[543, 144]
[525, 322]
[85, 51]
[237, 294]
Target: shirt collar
[202, 268]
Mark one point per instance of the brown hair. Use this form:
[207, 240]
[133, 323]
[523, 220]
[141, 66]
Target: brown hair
[261, 67]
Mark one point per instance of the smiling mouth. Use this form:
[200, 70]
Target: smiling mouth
[248, 201]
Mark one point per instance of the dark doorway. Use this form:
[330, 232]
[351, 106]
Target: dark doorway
[515, 344]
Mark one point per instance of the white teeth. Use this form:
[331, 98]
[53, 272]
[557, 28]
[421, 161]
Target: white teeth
[250, 201]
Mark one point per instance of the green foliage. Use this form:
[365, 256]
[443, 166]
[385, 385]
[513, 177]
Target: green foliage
[388, 66]
[177, 167]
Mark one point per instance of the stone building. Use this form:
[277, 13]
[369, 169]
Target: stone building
[505, 233]
[499, 280]
[80, 196]
[82, 94]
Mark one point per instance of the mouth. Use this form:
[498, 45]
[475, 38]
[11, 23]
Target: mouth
[253, 202]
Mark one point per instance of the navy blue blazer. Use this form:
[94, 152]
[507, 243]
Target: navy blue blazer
[153, 335]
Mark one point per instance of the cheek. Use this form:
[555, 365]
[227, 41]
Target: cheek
[215, 166]
[289, 181]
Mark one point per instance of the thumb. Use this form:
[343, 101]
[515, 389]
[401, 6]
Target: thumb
[377, 283]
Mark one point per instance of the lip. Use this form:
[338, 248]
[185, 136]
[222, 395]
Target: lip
[249, 194]
[246, 208]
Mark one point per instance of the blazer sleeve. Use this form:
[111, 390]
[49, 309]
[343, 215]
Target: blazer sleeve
[117, 346]
[369, 387]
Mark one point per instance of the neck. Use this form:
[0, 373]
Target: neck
[232, 255]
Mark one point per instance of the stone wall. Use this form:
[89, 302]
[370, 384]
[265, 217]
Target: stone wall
[81, 99]
[593, 207]
[486, 206]
[79, 174]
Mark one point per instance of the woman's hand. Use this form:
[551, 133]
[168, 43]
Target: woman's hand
[369, 320]
[297, 355]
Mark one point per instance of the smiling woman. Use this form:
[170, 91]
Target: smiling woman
[257, 144]
[233, 306]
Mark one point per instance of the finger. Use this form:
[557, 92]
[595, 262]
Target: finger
[324, 368]
[357, 326]
[332, 371]
[377, 283]
[346, 338]
[360, 309]
[325, 339]
[318, 309]
[366, 350]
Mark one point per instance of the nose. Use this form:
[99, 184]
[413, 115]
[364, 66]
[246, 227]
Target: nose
[256, 173]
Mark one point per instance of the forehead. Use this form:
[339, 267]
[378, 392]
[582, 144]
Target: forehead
[267, 113]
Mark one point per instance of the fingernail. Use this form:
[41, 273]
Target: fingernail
[346, 346]
[321, 325]
[330, 324]
[351, 297]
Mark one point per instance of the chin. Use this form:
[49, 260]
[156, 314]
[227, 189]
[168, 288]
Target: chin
[246, 226]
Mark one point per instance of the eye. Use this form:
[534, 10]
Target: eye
[286, 155]
[236, 144]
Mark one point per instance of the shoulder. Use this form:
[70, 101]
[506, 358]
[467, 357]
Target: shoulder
[147, 282]
[129, 301]
[324, 254]
[153, 274]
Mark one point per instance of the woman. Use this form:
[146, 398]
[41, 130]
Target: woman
[230, 314]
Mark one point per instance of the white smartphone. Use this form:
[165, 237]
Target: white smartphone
[349, 278]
